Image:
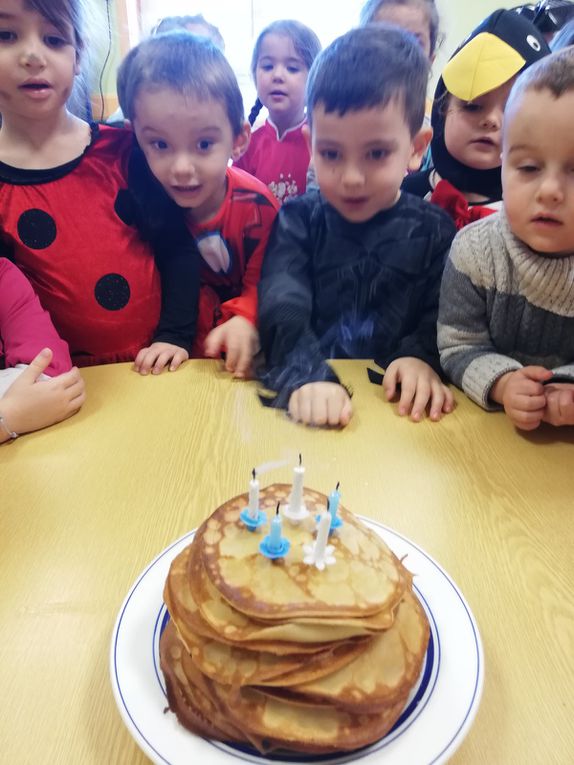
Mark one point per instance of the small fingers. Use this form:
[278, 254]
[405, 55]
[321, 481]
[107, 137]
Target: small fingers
[421, 399]
[177, 359]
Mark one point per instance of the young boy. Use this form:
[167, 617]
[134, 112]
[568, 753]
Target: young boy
[184, 103]
[353, 269]
[506, 321]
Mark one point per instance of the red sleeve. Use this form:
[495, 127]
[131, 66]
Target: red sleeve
[246, 303]
[453, 202]
[25, 327]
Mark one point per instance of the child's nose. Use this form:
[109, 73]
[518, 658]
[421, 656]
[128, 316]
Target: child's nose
[32, 56]
[278, 73]
[183, 167]
[492, 119]
[352, 175]
[550, 190]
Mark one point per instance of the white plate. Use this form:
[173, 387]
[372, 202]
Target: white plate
[437, 716]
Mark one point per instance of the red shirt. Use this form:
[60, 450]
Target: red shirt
[281, 163]
[233, 242]
[69, 229]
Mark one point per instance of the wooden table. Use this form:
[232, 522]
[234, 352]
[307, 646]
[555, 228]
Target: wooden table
[87, 504]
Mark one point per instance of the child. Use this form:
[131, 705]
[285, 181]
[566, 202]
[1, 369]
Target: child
[27, 402]
[65, 211]
[184, 103]
[197, 25]
[278, 154]
[467, 116]
[419, 17]
[353, 270]
[506, 322]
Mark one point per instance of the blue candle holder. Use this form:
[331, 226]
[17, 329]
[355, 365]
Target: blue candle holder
[274, 551]
[275, 545]
[253, 523]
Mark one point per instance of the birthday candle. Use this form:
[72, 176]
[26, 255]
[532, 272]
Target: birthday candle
[253, 496]
[334, 498]
[322, 536]
[275, 532]
[296, 499]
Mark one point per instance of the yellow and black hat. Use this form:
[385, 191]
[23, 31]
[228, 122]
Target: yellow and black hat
[498, 49]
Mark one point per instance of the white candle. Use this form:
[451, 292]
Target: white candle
[322, 536]
[253, 497]
[296, 499]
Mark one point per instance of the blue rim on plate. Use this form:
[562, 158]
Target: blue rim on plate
[139, 688]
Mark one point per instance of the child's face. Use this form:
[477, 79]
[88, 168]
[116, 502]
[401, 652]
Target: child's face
[538, 171]
[413, 18]
[37, 62]
[361, 158]
[280, 79]
[473, 129]
[187, 144]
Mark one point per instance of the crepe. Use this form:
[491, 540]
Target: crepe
[284, 656]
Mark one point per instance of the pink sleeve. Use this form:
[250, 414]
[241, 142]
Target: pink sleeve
[25, 327]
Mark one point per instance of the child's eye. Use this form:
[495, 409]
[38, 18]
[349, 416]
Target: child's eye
[7, 36]
[159, 145]
[55, 41]
[527, 169]
[266, 67]
[293, 69]
[205, 144]
[471, 107]
[330, 155]
[378, 154]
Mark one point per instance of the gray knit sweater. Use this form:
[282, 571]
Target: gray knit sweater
[503, 306]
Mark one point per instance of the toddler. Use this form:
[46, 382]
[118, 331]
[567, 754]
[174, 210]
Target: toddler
[278, 154]
[353, 269]
[467, 116]
[183, 101]
[506, 322]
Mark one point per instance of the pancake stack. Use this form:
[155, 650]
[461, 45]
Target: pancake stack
[279, 655]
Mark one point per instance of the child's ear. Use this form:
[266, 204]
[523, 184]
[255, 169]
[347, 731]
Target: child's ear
[419, 145]
[241, 142]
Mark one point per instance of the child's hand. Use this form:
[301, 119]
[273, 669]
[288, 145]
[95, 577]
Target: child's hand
[30, 404]
[559, 404]
[240, 341]
[321, 403]
[158, 356]
[420, 385]
[522, 395]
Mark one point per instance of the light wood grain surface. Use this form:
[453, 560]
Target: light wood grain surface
[87, 504]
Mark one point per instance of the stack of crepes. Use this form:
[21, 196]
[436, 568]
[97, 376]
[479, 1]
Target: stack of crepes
[281, 655]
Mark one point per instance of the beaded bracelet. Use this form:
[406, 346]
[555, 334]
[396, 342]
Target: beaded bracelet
[4, 426]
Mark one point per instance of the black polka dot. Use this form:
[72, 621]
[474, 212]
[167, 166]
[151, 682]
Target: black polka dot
[36, 229]
[112, 292]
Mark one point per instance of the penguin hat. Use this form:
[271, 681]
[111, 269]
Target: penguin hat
[498, 49]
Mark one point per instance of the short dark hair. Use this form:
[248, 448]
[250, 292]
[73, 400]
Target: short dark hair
[368, 67]
[554, 72]
[372, 7]
[185, 63]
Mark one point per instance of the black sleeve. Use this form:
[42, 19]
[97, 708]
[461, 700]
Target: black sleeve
[162, 223]
[292, 351]
[421, 342]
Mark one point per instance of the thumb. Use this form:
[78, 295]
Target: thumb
[38, 365]
[537, 374]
